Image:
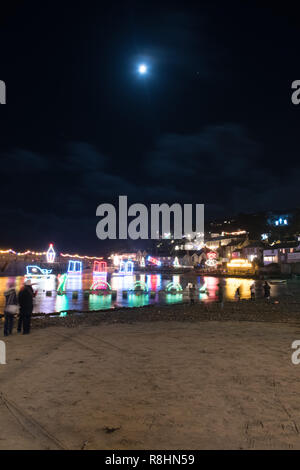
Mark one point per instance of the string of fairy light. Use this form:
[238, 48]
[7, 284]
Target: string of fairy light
[44, 253]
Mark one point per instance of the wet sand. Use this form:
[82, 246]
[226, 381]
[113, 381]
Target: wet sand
[158, 380]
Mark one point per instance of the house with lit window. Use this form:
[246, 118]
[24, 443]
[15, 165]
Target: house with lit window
[286, 252]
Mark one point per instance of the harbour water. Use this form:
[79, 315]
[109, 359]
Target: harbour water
[155, 283]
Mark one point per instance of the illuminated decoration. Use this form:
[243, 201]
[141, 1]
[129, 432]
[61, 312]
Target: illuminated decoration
[62, 283]
[239, 232]
[100, 285]
[122, 267]
[116, 260]
[239, 263]
[25, 253]
[154, 261]
[100, 267]
[153, 281]
[211, 259]
[173, 287]
[281, 221]
[126, 267]
[44, 253]
[139, 286]
[81, 257]
[176, 263]
[142, 264]
[264, 236]
[37, 271]
[75, 267]
[50, 254]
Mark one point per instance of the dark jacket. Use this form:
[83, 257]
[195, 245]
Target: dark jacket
[26, 299]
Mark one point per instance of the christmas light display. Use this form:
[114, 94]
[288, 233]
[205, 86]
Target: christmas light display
[44, 253]
[50, 254]
[239, 263]
[116, 260]
[66, 255]
[100, 267]
[75, 267]
[176, 263]
[211, 259]
[62, 283]
[142, 264]
[126, 267]
[28, 252]
[173, 287]
[139, 286]
[155, 261]
[100, 285]
[37, 271]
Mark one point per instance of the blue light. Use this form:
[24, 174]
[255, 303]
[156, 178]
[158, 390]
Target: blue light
[36, 270]
[281, 221]
[126, 267]
[75, 267]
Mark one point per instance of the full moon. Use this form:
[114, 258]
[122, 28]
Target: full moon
[142, 69]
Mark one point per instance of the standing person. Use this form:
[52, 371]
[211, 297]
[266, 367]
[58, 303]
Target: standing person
[26, 296]
[221, 293]
[267, 290]
[11, 307]
[192, 294]
[252, 291]
[238, 294]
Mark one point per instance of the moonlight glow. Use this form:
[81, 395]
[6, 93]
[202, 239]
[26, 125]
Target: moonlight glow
[142, 69]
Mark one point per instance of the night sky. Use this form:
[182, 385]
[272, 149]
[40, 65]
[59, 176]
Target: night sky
[211, 122]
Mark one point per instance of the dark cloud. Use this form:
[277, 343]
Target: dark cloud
[23, 161]
[221, 163]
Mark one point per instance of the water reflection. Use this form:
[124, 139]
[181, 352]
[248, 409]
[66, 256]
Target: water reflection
[48, 301]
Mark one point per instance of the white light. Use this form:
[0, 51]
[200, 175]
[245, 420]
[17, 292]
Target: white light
[142, 69]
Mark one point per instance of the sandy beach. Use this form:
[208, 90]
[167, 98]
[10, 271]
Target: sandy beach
[177, 377]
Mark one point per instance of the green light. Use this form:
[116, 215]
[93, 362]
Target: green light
[139, 284]
[62, 283]
[173, 286]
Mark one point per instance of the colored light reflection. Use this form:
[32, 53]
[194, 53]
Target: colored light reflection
[233, 283]
[173, 298]
[154, 281]
[61, 303]
[212, 286]
[137, 300]
[99, 302]
[119, 283]
[74, 283]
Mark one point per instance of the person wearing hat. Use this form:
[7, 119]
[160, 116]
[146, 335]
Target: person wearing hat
[11, 307]
[25, 299]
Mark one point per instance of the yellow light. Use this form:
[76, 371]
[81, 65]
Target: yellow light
[43, 253]
[239, 263]
[66, 255]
